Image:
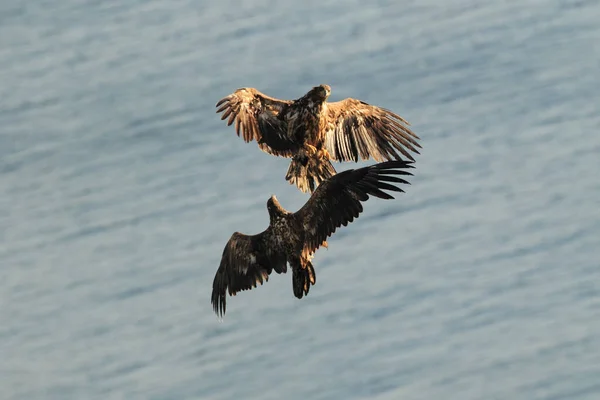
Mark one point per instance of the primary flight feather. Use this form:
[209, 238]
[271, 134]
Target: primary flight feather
[293, 238]
[312, 131]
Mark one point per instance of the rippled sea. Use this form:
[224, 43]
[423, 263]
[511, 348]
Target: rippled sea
[119, 187]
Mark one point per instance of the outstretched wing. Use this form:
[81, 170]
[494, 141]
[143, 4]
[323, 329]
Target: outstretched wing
[254, 113]
[337, 201]
[355, 129]
[246, 262]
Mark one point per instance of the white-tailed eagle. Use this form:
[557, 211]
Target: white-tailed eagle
[312, 131]
[293, 238]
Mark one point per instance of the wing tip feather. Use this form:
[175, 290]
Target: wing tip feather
[223, 100]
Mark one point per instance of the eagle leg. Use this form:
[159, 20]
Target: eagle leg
[312, 277]
[303, 276]
[310, 149]
[324, 154]
[308, 172]
[308, 267]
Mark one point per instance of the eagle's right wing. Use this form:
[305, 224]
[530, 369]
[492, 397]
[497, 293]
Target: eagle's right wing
[356, 130]
[337, 201]
[255, 115]
[246, 262]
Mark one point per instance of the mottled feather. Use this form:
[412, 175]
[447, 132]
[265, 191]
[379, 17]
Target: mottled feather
[253, 112]
[353, 130]
[337, 201]
[245, 263]
[294, 237]
[314, 132]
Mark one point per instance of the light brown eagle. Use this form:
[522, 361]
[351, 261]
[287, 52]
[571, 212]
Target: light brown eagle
[312, 131]
[293, 238]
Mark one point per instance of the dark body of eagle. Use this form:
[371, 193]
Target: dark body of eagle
[293, 238]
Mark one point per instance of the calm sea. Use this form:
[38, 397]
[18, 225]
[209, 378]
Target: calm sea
[119, 187]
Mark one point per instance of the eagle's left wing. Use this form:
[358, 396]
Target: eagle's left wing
[337, 201]
[255, 116]
[354, 129]
[246, 262]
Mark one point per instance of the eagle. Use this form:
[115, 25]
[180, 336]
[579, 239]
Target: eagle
[294, 237]
[312, 131]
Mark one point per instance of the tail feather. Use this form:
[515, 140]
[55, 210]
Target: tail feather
[307, 173]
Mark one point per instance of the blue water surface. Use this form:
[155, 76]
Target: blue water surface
[119, 187]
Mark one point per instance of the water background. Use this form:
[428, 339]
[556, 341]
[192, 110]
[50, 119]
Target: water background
[119, 187]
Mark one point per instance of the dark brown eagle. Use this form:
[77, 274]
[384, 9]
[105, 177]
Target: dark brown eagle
[312, 131]
[294, 237]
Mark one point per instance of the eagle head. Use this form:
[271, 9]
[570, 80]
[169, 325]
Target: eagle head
[273, 206]
[320, 92]
[273, 203]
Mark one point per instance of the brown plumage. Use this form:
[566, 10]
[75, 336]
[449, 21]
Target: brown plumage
[294, 237]
[312, 131]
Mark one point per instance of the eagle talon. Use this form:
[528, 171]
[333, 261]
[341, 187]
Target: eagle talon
[311, 150]
[324, 154]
